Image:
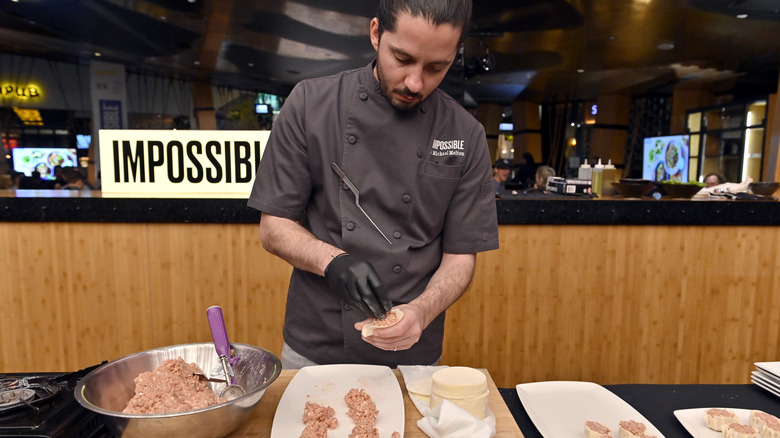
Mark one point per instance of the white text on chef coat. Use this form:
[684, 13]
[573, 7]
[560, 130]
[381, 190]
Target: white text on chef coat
[442, 148]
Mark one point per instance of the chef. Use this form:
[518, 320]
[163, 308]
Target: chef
[377, 188]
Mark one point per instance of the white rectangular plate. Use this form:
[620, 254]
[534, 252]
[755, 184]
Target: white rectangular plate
[770, 367]
[327, 385]
[693, 421]
[560, 409]
[761, 380]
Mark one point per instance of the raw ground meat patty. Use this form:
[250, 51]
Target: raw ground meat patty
[363, 412]
[172, 387]
[318, 420]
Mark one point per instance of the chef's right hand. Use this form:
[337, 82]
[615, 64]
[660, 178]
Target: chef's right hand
[358, 284]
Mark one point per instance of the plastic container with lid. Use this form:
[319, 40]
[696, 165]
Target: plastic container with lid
[597, 180]
[610, 176]
[585, 171]
[463, 386]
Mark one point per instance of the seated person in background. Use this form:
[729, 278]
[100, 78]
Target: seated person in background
[33, 182]
[16, 178]
[74, 179]
[714, 179]
[542, 173]
[525, 171]
[500, 174]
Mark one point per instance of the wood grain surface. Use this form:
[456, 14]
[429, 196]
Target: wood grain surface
[609, 304]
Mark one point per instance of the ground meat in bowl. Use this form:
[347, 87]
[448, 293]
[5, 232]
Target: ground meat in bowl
[171, 387]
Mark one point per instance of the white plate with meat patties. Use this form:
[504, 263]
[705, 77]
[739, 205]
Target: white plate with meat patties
[561, 408]
[327, 385]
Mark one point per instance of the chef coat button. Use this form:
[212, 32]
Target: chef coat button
[344, 186]
[363, 96]
[419, 153]
[347, 307]
[406, 198]
[397, 234]
[397, 269]
[350, 226]
[352, 139]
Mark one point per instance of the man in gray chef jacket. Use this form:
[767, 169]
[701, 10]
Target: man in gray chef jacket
[377, 188]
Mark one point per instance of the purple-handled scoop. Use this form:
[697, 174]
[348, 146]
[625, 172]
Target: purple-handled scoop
[222, 345]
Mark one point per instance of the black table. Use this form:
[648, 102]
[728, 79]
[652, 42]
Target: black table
[657, 403]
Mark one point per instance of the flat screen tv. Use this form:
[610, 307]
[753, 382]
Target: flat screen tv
[83, 141]
[25, 160]
[666, 158]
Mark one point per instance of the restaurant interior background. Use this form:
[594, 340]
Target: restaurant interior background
[564, 80]
[688, 286]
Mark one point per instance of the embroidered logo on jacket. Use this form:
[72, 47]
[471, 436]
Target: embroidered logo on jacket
[446, 148]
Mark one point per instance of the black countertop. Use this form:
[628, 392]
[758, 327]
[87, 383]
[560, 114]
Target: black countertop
[68, 206]
[657, 403]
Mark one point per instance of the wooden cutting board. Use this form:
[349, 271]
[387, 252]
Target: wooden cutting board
[259, 425]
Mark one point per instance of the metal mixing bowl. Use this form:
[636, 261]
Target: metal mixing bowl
[107, 389]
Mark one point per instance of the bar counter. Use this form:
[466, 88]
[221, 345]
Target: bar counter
[608, 291]
[74, 206]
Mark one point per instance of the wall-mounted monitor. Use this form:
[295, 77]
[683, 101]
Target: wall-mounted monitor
[25, 160]
[262, 108]
[666, 158]
[83, 141]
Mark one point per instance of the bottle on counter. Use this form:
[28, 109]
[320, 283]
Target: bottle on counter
[610, 176]
[585, 171]
[597, 179]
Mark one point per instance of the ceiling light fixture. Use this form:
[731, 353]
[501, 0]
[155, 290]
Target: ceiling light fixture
[742, 16]
[666, 45]
[98, 54]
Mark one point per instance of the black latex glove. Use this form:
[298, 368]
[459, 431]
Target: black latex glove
[358, 284]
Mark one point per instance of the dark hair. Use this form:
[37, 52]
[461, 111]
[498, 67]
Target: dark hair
[454, 12]
[720, 177]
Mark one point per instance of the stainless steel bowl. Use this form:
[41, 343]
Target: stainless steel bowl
[107, 389]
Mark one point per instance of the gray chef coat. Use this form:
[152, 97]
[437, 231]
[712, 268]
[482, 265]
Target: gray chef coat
[424, 177]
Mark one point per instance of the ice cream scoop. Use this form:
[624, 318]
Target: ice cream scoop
[222, 345]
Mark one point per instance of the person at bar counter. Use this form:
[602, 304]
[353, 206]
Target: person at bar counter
[501, 169]
[541, 176]
[714, 179]
[422, 169]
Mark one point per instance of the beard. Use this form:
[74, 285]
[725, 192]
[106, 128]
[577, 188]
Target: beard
[387, 92]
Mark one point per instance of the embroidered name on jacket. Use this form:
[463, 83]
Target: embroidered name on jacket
[445, 148]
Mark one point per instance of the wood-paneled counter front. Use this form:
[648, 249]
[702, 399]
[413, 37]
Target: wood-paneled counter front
[611, 303]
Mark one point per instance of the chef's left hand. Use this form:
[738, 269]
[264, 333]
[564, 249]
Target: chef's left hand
[401, 336]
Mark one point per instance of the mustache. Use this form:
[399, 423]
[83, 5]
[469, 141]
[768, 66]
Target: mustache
[405, 91]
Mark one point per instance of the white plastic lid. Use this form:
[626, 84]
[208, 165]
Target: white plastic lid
[585, 164]
[599, 165]
[609, 165]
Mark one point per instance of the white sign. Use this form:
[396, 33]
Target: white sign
[179, 164]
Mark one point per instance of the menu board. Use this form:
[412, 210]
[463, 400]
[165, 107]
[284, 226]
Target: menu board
[43, 160]
[666, 158]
